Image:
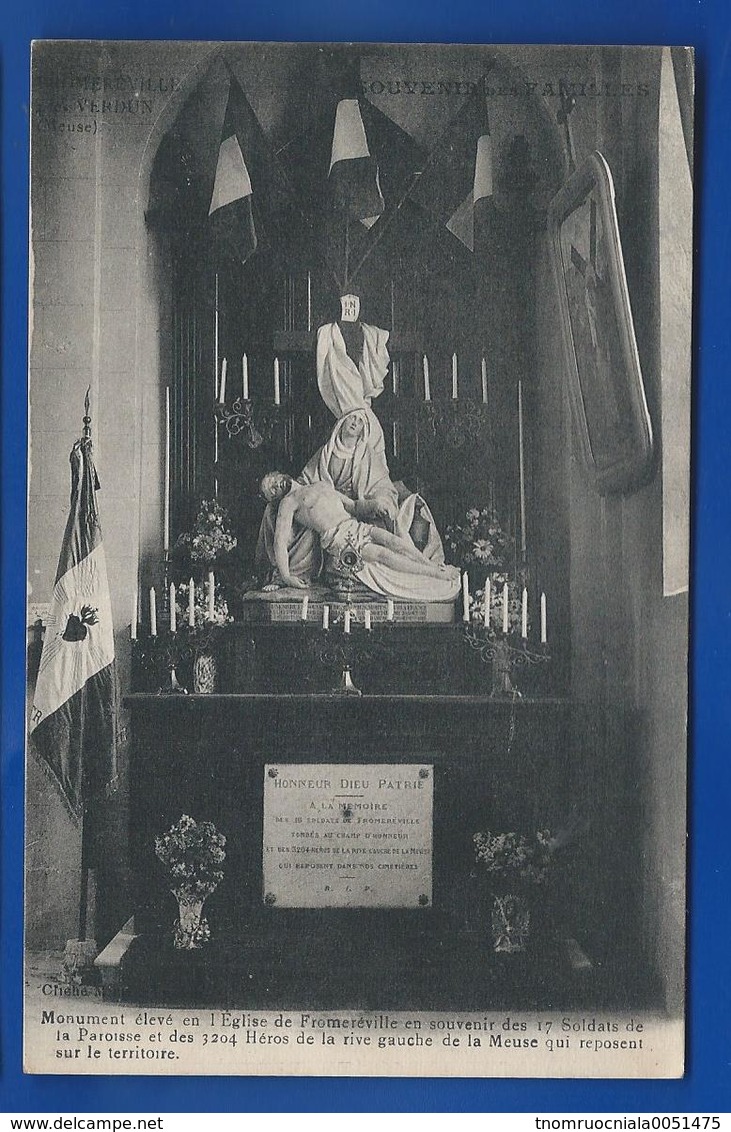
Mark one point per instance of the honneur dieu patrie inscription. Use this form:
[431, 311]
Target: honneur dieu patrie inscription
[348, 835]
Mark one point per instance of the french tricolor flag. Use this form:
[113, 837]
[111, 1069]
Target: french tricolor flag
[354, 176]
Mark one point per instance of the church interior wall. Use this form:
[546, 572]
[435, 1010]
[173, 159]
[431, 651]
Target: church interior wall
[99, 321]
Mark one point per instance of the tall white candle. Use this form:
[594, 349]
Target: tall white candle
[245, 377]
[222, 387]
[484, 381]
[521, 454]
[425, 370]
[133, 622]
[277, 391]
[488, 600]
[544, 625]
[465, 596]
[346, 622]
[326, 616]
[211, 595]
[367, 620]
[309, 301]
[153, 613]
[506, 624]
[454, 377]
[524, 615]
[191, 604]
[173, 610]
[305, 607]
[166, 502]
[390, 610]
[395, 376]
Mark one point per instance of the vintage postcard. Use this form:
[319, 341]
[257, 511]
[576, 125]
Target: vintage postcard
[358, 559]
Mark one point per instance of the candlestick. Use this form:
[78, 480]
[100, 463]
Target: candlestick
[488, 600]
[425, 369]
[326, 616]
[305, 607]
[173, 610]
[390, 610]
[367, 620]
[153, 613]
[245, 376]
[454, 377]
[222, 387]
[521, 453]
[133, 622]
[524, 615]
[484, 381]
[544, 633]
[166, 504]
[211, 595]
[346, 622]
[505, 608]
[277, 396]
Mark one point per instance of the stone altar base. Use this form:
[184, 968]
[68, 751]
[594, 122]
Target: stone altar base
[285, 605]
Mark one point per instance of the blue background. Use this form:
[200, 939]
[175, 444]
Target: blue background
[704, 24]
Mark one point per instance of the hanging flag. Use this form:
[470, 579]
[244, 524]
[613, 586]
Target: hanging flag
[459, 174]
[73, 720]
[231, 210]
[354, 174]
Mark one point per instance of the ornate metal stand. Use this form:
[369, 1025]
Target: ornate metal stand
[505, 653]
[238, 420]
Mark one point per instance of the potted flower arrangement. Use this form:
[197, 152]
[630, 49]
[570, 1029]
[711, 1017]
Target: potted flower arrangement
[478, 543]
[192, 853]
[515, 864]
[209, 539]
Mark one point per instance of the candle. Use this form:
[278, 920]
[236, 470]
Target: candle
[488, 599]
[215, 342]
[277, 397]
[544, 634]
[211, 594]
[390, 610]
[454, 377]
[346, 623]
[465, 596]
[427, 387]
[245, 376]
[367, 620]
[166, 505]
[524, 615]
[153, 613]
[133, 623]
[191, 604]
[521, 454]
[309, 301]
[305, 607]
[505, 608]
[222, 388]
[173, 610]
[326, 616]
[484, 382]
[394, 376]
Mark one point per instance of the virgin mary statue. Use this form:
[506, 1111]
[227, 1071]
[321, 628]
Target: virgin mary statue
[353, 461]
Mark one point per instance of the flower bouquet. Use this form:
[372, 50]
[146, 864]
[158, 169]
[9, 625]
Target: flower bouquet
[210, 537]
[514, 863]
[192, 853]
[479, 540]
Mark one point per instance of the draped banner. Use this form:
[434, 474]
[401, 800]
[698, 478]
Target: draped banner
[73, 721]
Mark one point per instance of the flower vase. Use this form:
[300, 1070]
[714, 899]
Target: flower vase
[191, 928]
[510, 923]
[205, 671]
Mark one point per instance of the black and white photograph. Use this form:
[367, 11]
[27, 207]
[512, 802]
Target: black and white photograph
[358, 553]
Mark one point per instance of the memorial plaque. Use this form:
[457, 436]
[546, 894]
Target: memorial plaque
[347, 835]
